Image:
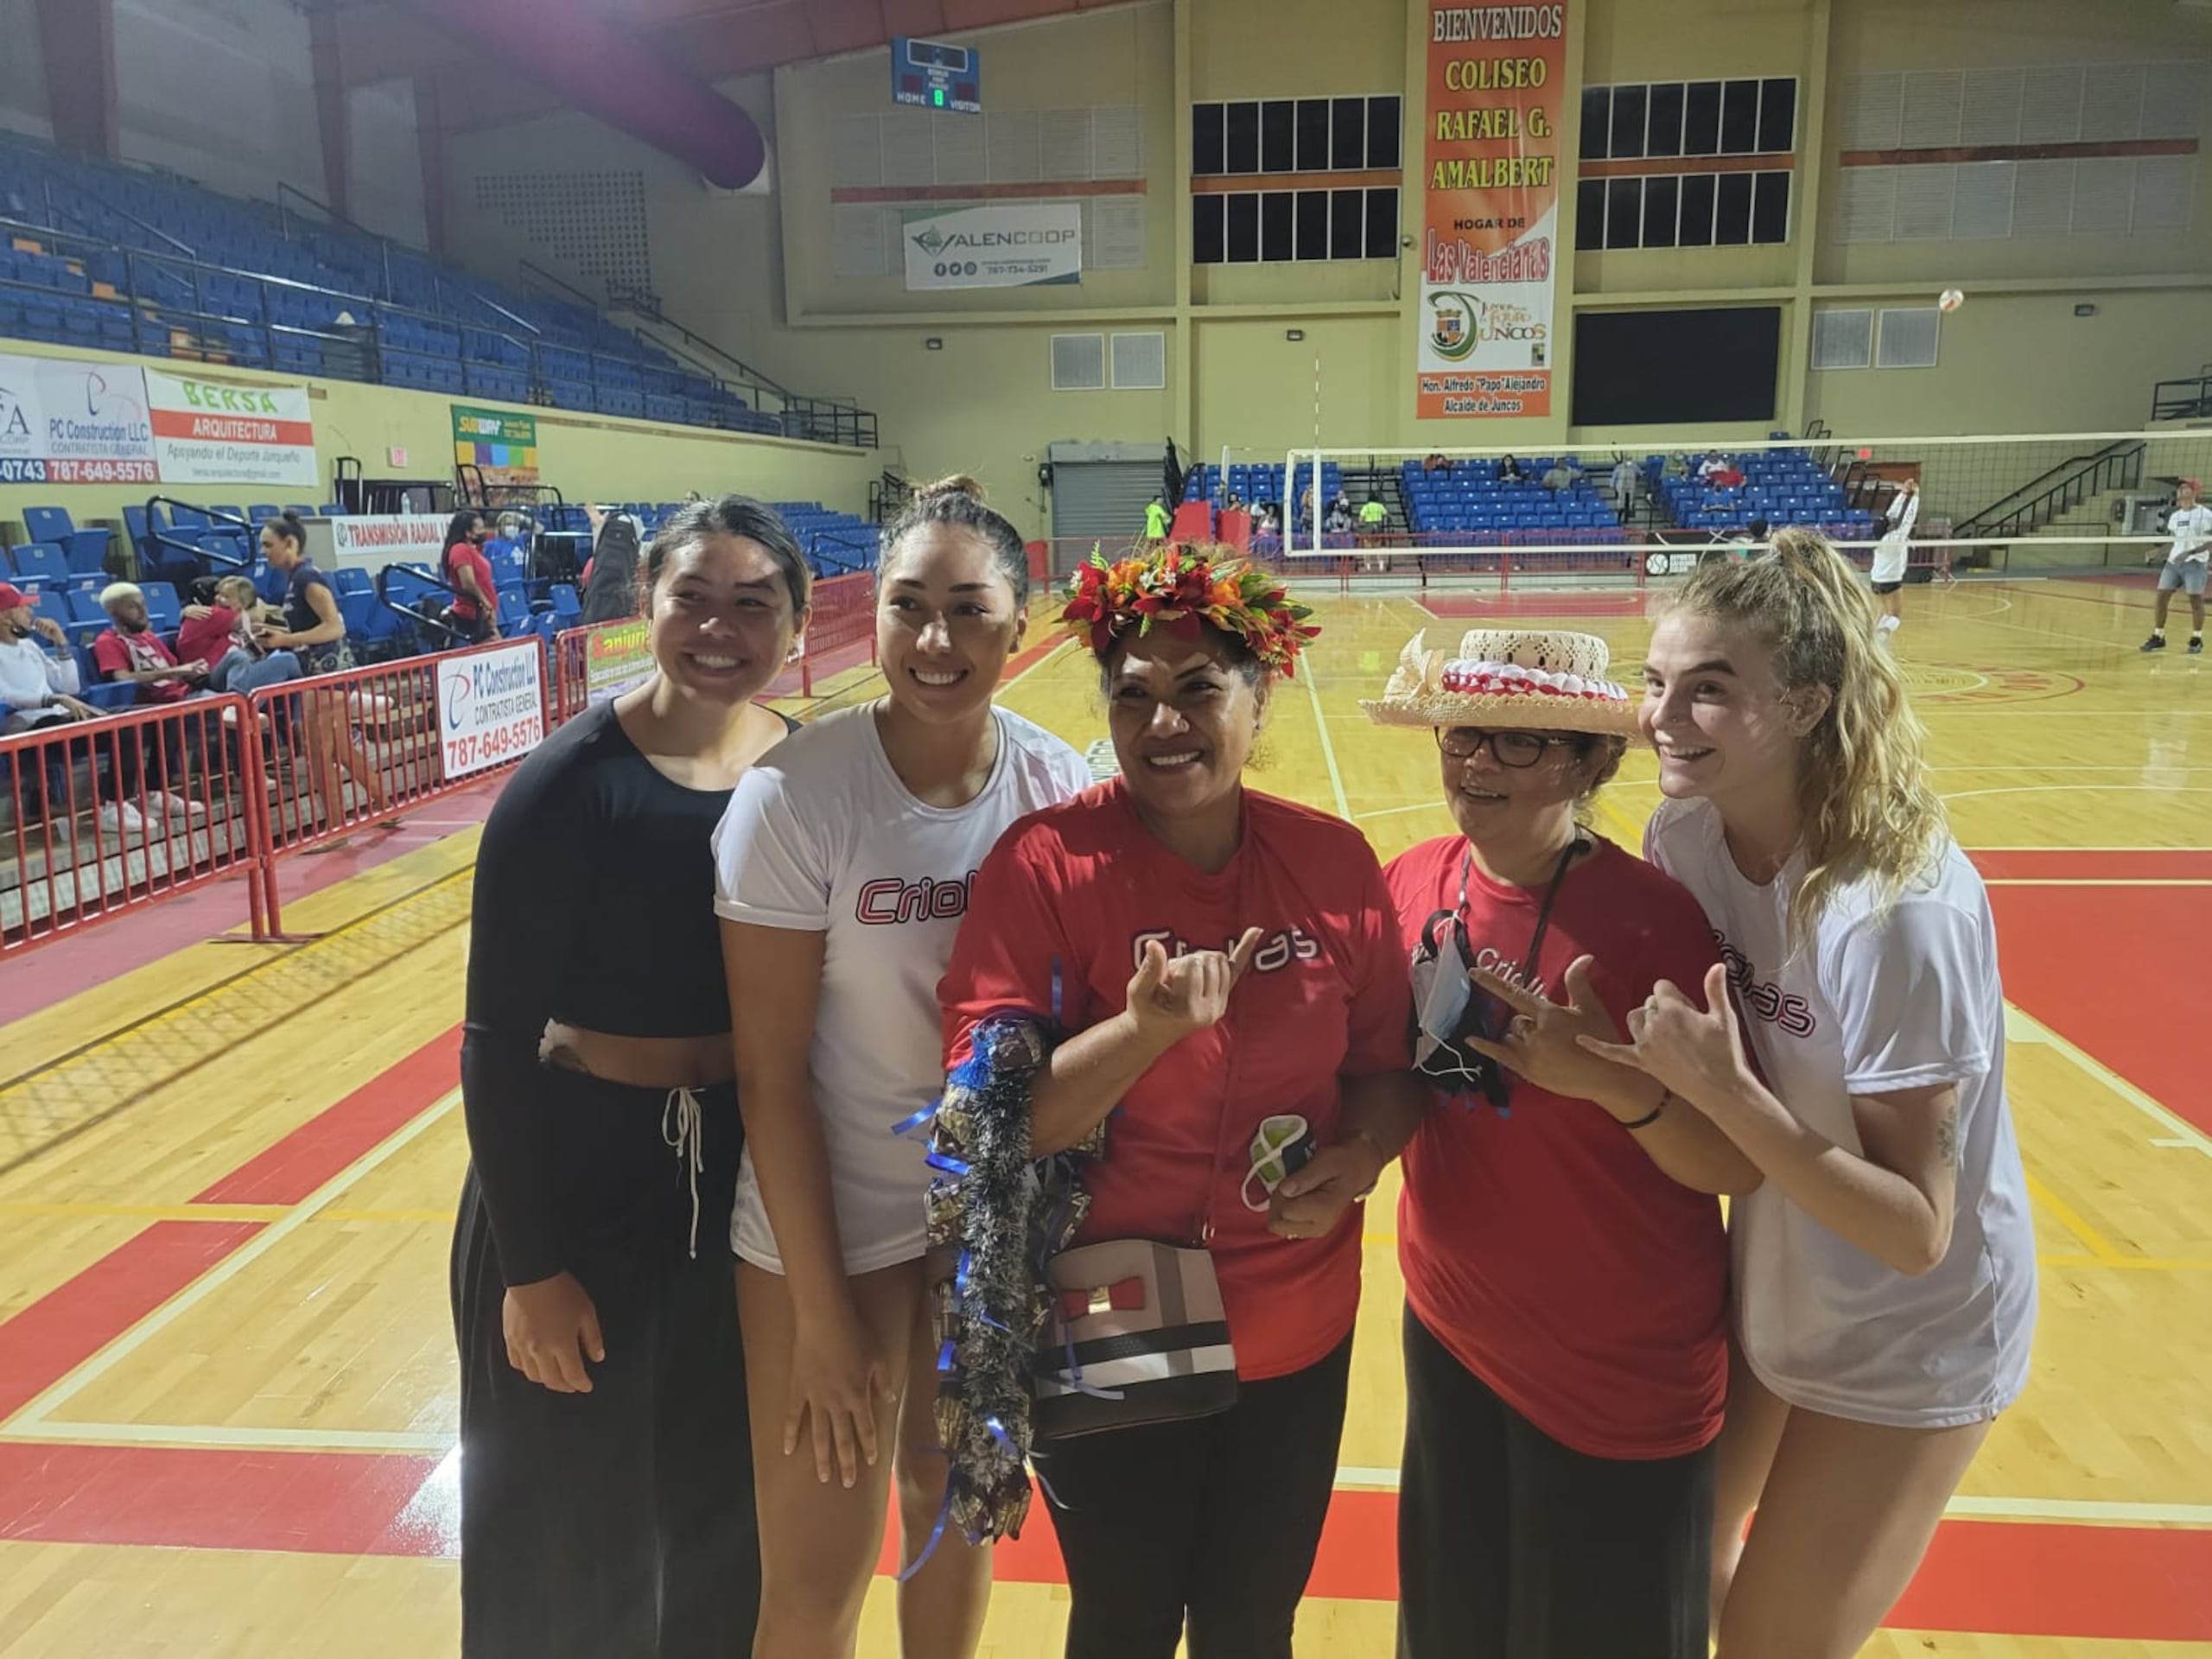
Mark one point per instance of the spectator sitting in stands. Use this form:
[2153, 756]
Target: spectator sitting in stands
[1560, 476]
[1712, 464]
[130, 652]
[1340, 520]
[1267, 521]
[1727, 476]
[1509, 471]
[1435, 463]
[38, 689]
[221, 636]
[1673, 466]
[37, 686]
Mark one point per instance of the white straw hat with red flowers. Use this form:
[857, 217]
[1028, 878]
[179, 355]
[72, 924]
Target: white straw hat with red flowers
[1506, 678]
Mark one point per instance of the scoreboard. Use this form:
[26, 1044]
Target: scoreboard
[937, 76]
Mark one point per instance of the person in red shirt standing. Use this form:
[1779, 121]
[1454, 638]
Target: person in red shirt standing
[1222, 957]
[1566, 1268]
[465, 570]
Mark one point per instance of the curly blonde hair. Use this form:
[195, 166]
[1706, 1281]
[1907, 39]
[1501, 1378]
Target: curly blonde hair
[1863, 794]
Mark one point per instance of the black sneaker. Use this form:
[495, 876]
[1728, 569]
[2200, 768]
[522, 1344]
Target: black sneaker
[2196, 646]
[2156, 642]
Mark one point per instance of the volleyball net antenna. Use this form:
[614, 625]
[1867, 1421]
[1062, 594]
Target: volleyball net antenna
[1598, 515]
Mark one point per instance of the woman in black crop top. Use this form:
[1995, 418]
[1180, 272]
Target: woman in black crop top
[606, 1482]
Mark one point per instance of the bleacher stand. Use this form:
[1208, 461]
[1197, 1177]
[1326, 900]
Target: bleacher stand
[1783, 486]
[1472, 503]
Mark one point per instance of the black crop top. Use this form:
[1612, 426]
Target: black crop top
[594, 906]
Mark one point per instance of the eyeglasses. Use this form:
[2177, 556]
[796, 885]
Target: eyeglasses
[1517, 749]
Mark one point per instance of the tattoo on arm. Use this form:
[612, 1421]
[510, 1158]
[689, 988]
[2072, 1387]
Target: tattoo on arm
[1947, 1137]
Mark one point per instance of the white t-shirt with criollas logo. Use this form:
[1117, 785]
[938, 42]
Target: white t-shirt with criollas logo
[1872, 1005]
[821, 836]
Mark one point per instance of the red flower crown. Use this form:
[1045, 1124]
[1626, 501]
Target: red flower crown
[1179, 586]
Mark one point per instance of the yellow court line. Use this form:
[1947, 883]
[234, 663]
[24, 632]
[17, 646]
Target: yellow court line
[39, 1410]
[2100, 1248]
[2136, 1263]
[156, 1211]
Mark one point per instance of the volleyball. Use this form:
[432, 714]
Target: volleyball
[1950, 299]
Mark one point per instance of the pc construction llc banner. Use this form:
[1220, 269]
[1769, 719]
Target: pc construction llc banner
[64, 421]
[1496, 96]
[209, 432]
[1019, 246]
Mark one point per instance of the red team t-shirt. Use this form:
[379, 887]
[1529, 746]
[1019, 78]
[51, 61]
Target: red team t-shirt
[117, 652]
[1542, 1248]
[1076, 890]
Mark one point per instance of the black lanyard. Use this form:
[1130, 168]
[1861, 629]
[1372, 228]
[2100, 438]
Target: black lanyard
[1543, 911]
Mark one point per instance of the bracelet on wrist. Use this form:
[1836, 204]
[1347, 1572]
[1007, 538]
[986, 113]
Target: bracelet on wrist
[1666, 1099]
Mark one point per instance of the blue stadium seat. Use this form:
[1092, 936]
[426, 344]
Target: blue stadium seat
[41, 559]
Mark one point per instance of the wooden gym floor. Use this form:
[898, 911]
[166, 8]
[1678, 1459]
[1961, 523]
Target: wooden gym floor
[227, 1174]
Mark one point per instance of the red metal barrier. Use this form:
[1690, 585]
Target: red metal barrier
[102, 817]
[359, 747]
[843, 622]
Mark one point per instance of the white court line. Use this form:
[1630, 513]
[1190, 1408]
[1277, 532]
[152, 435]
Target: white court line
[2020, 1508]
[1328, 747]
[1050, 656]
[235, 1436]
[90, 1371]
[2020, 1026]
[2101, 789]
[1392, 811]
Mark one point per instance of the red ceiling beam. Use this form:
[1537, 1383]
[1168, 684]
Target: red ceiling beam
[77, 39]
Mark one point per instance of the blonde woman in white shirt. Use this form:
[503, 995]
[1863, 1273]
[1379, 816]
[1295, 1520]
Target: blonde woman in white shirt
[1854, 1051]
[843, 868]
[1891, 553]
[2186, 563]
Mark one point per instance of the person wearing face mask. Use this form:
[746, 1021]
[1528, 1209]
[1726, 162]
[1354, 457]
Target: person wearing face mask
[842, 867]
[1225, 966]
[1853, 1048]
[463, 568]
[606, 1477]
[1565, 1268]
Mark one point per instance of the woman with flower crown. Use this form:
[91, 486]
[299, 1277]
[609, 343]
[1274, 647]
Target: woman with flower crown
[1222, 976]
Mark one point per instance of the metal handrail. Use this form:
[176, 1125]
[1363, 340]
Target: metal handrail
[2181, 399]
[2043, 497]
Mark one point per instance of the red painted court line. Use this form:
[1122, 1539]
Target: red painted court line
[2058, 947]
[2073, 864]
[2116, 1583]
[1020, 662]
[288, 1172]
[73, 1321]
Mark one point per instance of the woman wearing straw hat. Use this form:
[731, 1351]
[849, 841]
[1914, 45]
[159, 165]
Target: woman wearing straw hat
[1565, 1268]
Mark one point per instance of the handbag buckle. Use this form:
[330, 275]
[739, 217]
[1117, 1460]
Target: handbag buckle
[1125, 1296]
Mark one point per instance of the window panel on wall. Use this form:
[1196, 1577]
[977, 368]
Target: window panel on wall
[1661, 200]
[1662, 134]
[1739, 117]
[1623, 213]
[2163, 185]
[2050, 106]
[1628, 105]
[1701, 118]
[1278, 136]
[1209, 139]
[1925, 197]
[1934, 104]
[1347, 223]
[1313, 122]
[1348, 134]
[1732, 210]
[1014, 139]
[1589, 215]
[1381, 224]
[1989, 111]
[1384, 118]
[1116, 141]
[1777, 117]
[1982, 206]
[1696, 216]
[1313, 225]
[1278, 220]
[1244, 229]
[1243, 138]
[1597, 123]
[2042, 198]
[1770, 207]
[2112, 102]
[1209, 234]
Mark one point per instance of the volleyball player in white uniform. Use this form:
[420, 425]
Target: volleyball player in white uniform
[1892, 551]
[842, 871]
[1854, 1051]
[2185, 569]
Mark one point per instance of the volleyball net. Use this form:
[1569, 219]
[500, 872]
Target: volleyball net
[1605, 514]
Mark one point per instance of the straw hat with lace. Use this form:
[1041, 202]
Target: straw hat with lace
[1508, 679]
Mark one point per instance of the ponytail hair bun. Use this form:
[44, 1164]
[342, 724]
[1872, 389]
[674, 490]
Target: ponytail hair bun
[954, 484]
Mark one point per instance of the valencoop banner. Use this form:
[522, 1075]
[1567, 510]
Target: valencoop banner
[207, 432]
[65, 421]
[1021, 245]
[1496, 93]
